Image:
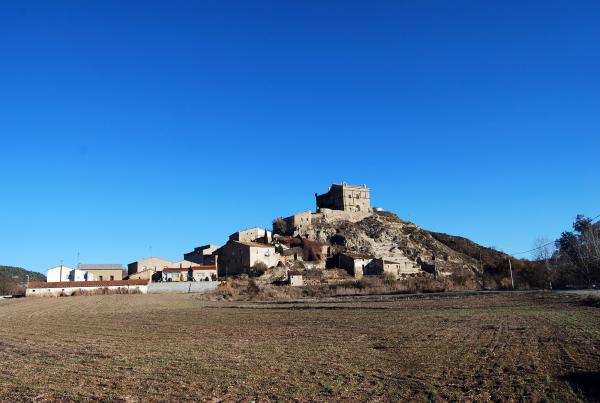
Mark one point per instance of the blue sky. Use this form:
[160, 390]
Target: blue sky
[125, 125]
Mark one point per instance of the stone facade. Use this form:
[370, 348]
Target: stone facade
[202, 255]
[237, 257]
[359, 265]
[255, 234]
[103, 272]
[298, 222]
[355, 264]
[346, 198]
[151, 263]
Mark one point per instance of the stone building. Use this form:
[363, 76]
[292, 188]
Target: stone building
[151, 263]
[203, 255]
[400, 267]
[356, 264]
[103, 272]
[361, 265]
[255, 234]
[346, 198]
[297, 222]
[236, 257]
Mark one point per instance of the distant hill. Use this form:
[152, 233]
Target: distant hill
[14, 279]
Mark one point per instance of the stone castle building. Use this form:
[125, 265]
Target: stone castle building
[346, 198]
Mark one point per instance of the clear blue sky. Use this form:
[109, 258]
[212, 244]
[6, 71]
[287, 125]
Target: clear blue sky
[175, 123]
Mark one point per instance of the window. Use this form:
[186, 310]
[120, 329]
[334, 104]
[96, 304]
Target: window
[99, 278]
[112, 278]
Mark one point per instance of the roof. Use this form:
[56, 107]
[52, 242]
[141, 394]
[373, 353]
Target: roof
[141, 261]
[84, 266]
[58, 267]
[71, 284]
[194, 268]
[254, 244]
[294, 273]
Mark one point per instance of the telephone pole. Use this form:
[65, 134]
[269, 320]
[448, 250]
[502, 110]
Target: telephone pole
[512, 280]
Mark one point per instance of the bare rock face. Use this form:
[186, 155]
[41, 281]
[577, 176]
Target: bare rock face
[384, 235]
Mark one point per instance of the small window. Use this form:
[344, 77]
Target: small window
[100, 278]
[112, 278]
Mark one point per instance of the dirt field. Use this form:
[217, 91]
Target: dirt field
[525, 347]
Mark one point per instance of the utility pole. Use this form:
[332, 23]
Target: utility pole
[512, 280]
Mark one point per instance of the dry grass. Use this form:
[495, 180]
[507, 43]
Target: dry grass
[497, 347]
[244, 289]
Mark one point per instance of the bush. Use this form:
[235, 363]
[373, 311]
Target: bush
[258, 269]
[591, 300]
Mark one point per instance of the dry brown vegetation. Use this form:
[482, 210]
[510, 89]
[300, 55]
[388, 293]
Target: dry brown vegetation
[244, 289]
[490, 347]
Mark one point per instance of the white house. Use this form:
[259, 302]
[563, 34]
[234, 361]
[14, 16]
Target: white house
[59, 273]
[80, 275]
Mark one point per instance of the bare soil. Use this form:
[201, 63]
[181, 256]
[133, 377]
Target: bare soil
[487, 347]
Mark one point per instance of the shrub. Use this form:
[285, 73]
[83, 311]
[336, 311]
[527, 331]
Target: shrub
[258, 269]
[591, 300]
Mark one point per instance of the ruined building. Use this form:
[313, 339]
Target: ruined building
[346, 198]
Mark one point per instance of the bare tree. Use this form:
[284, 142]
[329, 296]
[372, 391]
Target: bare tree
[544, 250]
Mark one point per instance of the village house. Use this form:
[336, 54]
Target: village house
[296, 222]
[399, 268]
[356, 264]
[151, 263]
[59, 273]
[190, 273]
[63, 273]
[236, 257]
[255, 234]
[203, 255]
[362, 265]
[103, 272]
[345, 197]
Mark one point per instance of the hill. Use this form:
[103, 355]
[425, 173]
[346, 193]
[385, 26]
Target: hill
[385, 235]
[13, 279]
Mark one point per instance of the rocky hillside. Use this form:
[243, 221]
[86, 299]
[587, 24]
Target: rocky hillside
[385, 235]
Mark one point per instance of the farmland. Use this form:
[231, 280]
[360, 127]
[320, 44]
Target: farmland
[530, 346]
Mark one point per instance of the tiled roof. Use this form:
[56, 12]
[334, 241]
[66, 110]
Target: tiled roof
[100, 267]
[65, 284]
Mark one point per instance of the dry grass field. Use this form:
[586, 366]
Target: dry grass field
[497, 347]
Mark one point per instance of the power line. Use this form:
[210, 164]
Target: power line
[531, 250]
[546, 244]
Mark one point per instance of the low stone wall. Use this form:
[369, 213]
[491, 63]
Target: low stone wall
[66, 290]
[181, 287]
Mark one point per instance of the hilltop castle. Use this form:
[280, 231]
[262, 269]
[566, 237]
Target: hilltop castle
[345, 197]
